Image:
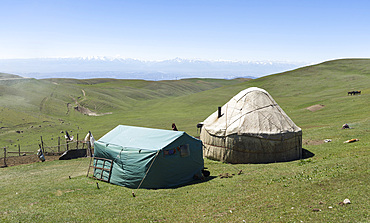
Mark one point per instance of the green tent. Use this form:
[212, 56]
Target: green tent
[148, 158]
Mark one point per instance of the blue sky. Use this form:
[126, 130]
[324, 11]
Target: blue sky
[286, 30]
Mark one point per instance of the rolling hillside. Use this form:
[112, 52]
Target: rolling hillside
[309, 190]
[51, 103]
[47, 107]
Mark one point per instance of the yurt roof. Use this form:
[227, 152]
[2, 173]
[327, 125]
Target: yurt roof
[252, 111]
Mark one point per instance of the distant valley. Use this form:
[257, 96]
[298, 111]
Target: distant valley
[119, 68]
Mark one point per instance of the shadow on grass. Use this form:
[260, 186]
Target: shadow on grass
[306, 154]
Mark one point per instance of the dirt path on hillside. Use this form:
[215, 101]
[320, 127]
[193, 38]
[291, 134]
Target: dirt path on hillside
[84, 110]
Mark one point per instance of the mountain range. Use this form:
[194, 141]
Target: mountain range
[123, 68]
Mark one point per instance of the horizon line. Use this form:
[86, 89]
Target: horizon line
[162, 60]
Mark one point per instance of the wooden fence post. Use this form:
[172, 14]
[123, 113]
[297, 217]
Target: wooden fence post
[58, 144]
[5, 156]
[19, 150]
[89, 148]
[42, 146]
[77, 142]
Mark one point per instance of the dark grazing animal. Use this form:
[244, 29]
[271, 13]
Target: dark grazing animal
[354, 92]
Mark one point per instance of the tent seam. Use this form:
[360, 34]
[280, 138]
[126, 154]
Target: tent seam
[148, 169]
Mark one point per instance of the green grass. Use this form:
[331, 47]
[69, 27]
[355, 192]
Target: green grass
[40, 107]
[276, 192]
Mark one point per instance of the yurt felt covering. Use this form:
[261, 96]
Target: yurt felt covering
[252, 129]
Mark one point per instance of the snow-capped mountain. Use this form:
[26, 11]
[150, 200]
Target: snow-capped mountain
[123, 68]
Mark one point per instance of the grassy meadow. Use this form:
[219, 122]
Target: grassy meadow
[307, 190]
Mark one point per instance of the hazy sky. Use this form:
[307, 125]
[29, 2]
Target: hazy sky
[279, 30]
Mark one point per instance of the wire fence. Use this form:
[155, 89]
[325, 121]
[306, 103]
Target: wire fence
[47, 148]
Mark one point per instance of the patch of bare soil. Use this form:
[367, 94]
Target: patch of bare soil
[312, 142]
[314, 108]
[19, 160]
[88, 112]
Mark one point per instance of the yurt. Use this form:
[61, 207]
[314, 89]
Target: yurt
[251, 128]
